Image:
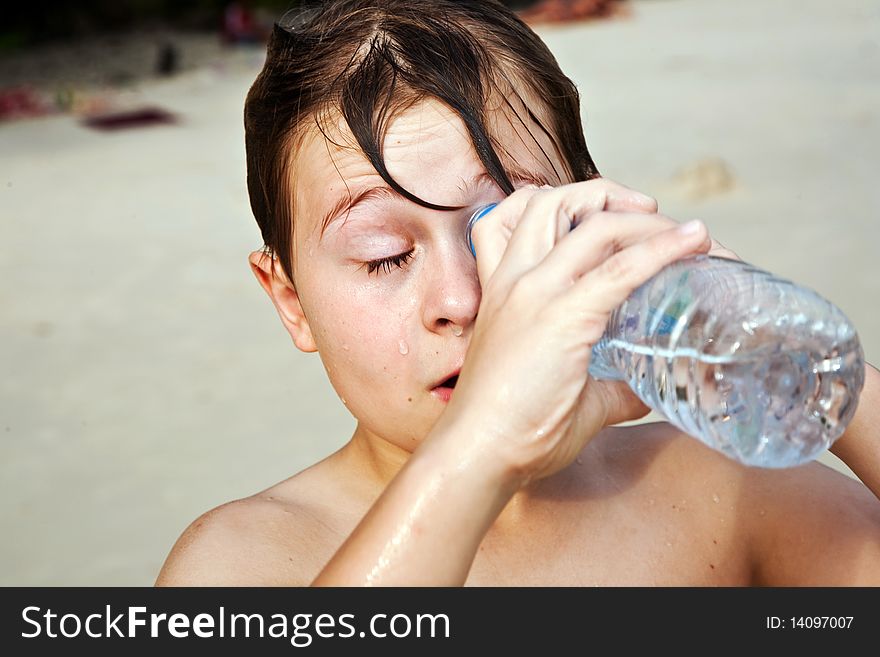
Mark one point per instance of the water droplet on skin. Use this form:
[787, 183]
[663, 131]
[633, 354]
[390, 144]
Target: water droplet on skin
[457, 330]
[668, 544]
[346, 347]
[343, 401]
[762, 512]
[404, 349]
[715, 498]
[579, 460]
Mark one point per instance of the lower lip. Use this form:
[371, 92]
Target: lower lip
[443, 394]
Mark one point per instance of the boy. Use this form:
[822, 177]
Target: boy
[483, 453]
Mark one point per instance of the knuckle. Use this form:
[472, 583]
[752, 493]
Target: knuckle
[600, 223]
[598, 181]
[666, 221]
[643, 201]
[522, 290]
[523, 192]
[522, 196]
[593, 327]
[537, 199]
[662, 223]
[590, 322]
[617, 266]
[604, 184]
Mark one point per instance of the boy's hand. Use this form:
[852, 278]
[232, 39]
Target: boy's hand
[553, 264]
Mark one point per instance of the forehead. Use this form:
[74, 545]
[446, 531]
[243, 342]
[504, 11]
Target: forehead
[426, 149]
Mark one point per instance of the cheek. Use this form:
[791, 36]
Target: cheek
[365, 334]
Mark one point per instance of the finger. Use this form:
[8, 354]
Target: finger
[595, 239]
[625, 199]
[620, 403]
[618, 198]
[491, 234]
[604, 403]
[549, 214]
[605, 287]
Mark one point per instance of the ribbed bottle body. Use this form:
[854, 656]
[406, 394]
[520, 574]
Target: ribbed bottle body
[753, 365]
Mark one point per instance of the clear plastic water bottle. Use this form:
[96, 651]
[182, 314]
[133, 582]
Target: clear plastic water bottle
[761, 369]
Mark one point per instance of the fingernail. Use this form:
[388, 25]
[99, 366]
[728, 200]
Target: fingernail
[690, 227]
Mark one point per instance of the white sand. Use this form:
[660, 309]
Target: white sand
[146, 378]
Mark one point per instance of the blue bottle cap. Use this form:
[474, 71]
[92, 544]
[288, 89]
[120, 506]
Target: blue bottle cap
[480, 212]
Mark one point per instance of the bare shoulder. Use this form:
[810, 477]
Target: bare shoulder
[241, 543]
[809, 525]
[812, 526]
[279, 537]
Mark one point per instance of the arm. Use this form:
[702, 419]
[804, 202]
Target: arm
[427, 525]
[859, 446]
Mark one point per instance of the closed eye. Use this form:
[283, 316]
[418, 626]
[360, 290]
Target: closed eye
[385, 264]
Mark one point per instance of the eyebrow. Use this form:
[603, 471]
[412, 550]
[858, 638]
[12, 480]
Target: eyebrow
[345, 204]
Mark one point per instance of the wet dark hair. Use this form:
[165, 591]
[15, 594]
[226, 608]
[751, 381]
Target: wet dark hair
[368, 60]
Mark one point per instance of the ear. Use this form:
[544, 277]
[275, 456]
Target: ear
[282, 293]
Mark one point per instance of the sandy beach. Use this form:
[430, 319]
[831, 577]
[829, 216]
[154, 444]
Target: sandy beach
[146, 377]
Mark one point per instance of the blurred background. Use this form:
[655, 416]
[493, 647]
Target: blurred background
[145, 376]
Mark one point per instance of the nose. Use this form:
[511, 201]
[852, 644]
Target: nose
[453, 292]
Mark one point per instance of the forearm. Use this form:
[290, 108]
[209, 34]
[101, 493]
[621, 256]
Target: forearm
[426, 527]
[859, 446]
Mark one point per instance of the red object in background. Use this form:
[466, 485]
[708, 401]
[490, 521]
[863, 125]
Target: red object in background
[22, 102]
[238, 24]
[137, 118]
[559, 11]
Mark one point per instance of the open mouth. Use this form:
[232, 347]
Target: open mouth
[450, 382]
[444, 390]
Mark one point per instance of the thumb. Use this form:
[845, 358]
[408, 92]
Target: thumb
[620, 403]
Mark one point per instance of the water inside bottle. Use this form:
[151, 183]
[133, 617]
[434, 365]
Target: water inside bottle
[742, 404]
[752, 365]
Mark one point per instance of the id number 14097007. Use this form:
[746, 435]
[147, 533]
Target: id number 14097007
[809, 622]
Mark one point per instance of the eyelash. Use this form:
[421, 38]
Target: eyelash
[385, 264]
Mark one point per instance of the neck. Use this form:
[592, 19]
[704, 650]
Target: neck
[373, 458]
[375, 462]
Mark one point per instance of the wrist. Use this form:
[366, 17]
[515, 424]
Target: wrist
[427, 525]
[467, 450]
